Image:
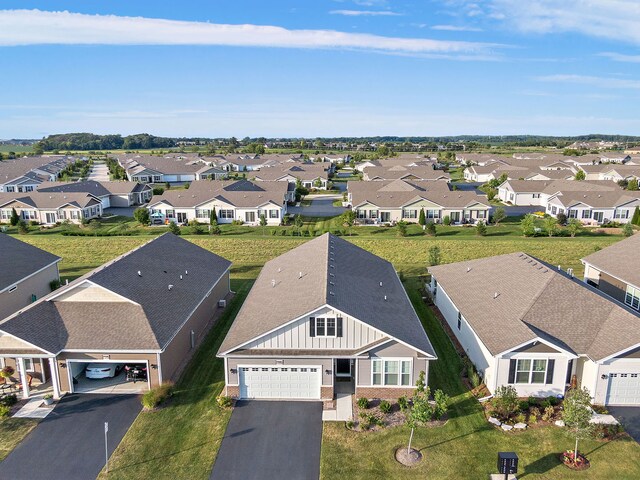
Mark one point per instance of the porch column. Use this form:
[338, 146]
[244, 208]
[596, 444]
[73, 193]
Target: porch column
[23, 378]
[54, 377]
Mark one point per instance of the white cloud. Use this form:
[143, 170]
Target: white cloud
[36, 27]
[611, 19]
[602, 82]
[455, 28]
[365, 13]
[619, 57]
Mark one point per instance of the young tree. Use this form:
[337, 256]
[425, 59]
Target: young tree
[636, 216]
[481, 228]
[298, 222]
[434, 255]
[422, 219]
[173, 228]
[23, 229]
[213, 217]
[580, 175]
[576, 414]
[574, 226]
[402, 228]
[263, 223]
[141, 214]
[627, 230]
[561, 219]
[498, 215]
[550, 225]
[348, 219]
[431, 229]
[14, 218]
[633, 184]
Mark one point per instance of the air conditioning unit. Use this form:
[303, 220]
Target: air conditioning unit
[222, 303]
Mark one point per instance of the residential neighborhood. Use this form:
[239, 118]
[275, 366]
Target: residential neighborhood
[329, 240]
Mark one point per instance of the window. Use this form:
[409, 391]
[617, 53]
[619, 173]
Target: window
[621, 214]
[28, 365]
[432, 213]
[274, 214]
[320, 332]
[531, 370]
[203, 213]
[572, 213]
[410, 214]
[359, 214]
[225, 214]
[170, 213]
[391, 372]
[554, 210]
[536, 195]
[157, 178]
[632, 298]
[331, 327]
[459, 320]
[586, 214]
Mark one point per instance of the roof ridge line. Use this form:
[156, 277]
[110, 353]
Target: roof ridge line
[327, 271]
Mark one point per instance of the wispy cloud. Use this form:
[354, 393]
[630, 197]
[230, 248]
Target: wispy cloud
[365, 13]
[455, 28]
[602, 82]
[36, 27]
[619, 57]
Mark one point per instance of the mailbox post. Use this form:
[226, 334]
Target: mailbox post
[507, 463]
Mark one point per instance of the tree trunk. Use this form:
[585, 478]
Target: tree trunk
[575, 453]
[410, 439]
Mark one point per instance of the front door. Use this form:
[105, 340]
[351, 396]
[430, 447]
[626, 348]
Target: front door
[455, 217]
[181, 217]
[343, 367]
[598, 216]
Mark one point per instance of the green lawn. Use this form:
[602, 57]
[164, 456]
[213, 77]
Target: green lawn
[467, 446]
[12, 431]
[181, 440]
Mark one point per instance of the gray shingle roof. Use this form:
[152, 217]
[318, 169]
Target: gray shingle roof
[533, 301]
[20, 260]
[356, 275]
[621, 260]
[159, 316]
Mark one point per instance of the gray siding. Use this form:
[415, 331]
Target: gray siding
[537, 348]
[355, 334]
[38, 285]
[390, 350]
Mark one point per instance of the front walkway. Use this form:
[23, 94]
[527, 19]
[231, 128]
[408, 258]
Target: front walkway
[35, 407]
[344, 403]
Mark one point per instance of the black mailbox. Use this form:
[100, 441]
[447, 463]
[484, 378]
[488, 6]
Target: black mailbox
[507, 462]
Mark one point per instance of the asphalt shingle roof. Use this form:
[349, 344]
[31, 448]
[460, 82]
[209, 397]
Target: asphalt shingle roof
[328, 270]
[19, 260]
[621, 260]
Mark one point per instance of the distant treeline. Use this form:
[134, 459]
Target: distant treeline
[89, 141]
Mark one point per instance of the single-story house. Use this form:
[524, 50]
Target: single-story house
[609, 172]
[310, 175]
[239, 200]
[325, 312]
[24, 174]
[615, 270]
[396, 200]
[595, 208]
[396, 172]
[148, 308]
[513, 317]
[165, 169]
[111, 194]
[49, 208]
[26, 274]
[538, 192]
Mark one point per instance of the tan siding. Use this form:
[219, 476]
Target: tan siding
[86, 292]
[537, 348]
[612, 287]
[38, 285]
[176, 355]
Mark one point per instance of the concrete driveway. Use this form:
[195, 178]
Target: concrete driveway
[266, 439]
[69, 443]
[629, 417]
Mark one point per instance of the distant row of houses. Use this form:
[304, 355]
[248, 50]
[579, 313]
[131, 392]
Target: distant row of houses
[23, 175]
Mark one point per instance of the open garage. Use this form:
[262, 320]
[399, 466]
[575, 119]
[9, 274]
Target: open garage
[108, 376]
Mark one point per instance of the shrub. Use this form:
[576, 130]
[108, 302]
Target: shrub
[14, 219]
[350, 424]
[224, 401]
[520, 418]
[158, 191]
[9, 400]
[442, 403]
[431, 229]
[446, 220]
[505, 401]
[173, 228]
[402, 228]
[403, 403]
[475, 379]
[481, 228]
[385, 406]
[54, 285]
[548, 414]
[370, 419]
[157, 395]
[552, 400]
[363, 403]
[523, 405]
[532, 401]
[534, 413]
[141, 215]
[434, 255]
[627, 230]
[561, 218]
[4, 410]
[23, 229]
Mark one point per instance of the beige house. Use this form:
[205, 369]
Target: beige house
[26, 274]
[324, 313]
[145, 311]
[49, 208]
[111, 194]
[392, 201]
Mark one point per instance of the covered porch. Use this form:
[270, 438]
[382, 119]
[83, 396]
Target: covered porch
[29, 374]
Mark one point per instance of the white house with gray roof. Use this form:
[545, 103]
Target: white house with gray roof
[323, 314]
[527, 324]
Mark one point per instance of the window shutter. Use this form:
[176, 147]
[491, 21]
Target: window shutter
[339, 327]
[512, 371]
[550, 366]
[312, 327]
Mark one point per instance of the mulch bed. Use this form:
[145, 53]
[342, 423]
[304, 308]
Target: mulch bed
[408, 458]
[582, 465]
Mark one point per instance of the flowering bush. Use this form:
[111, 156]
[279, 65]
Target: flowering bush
[568, 458]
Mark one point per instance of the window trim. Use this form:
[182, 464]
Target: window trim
[325, 327]
[382, 372]
[531, 371]
[632, 294]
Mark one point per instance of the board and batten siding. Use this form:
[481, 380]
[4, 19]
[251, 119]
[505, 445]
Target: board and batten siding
[355, 334]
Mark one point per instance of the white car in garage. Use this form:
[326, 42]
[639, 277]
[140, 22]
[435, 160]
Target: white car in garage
[102, 370]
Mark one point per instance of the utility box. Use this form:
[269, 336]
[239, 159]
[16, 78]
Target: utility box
[507, 463]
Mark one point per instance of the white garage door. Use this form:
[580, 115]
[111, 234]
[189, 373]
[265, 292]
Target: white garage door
[624, 389]
[280, 382]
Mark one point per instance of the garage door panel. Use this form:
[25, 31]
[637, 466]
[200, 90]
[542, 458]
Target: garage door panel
[280, 382]
[624, 389]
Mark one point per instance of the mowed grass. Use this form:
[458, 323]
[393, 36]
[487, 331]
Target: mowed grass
[467, 446]
[12, 431]
[181, 439]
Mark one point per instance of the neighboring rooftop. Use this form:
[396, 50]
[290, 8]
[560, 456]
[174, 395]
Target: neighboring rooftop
[19, 260]
[512, 299]
[328, 271]
[620, 260]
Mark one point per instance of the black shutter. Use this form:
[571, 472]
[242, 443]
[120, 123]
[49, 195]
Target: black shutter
[550, 366]
[312, 327]
[512, 371]
[339, 327]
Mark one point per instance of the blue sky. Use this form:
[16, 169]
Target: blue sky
[319, 68]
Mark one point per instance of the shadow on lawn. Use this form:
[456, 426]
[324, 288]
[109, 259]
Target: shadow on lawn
[542, 465]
